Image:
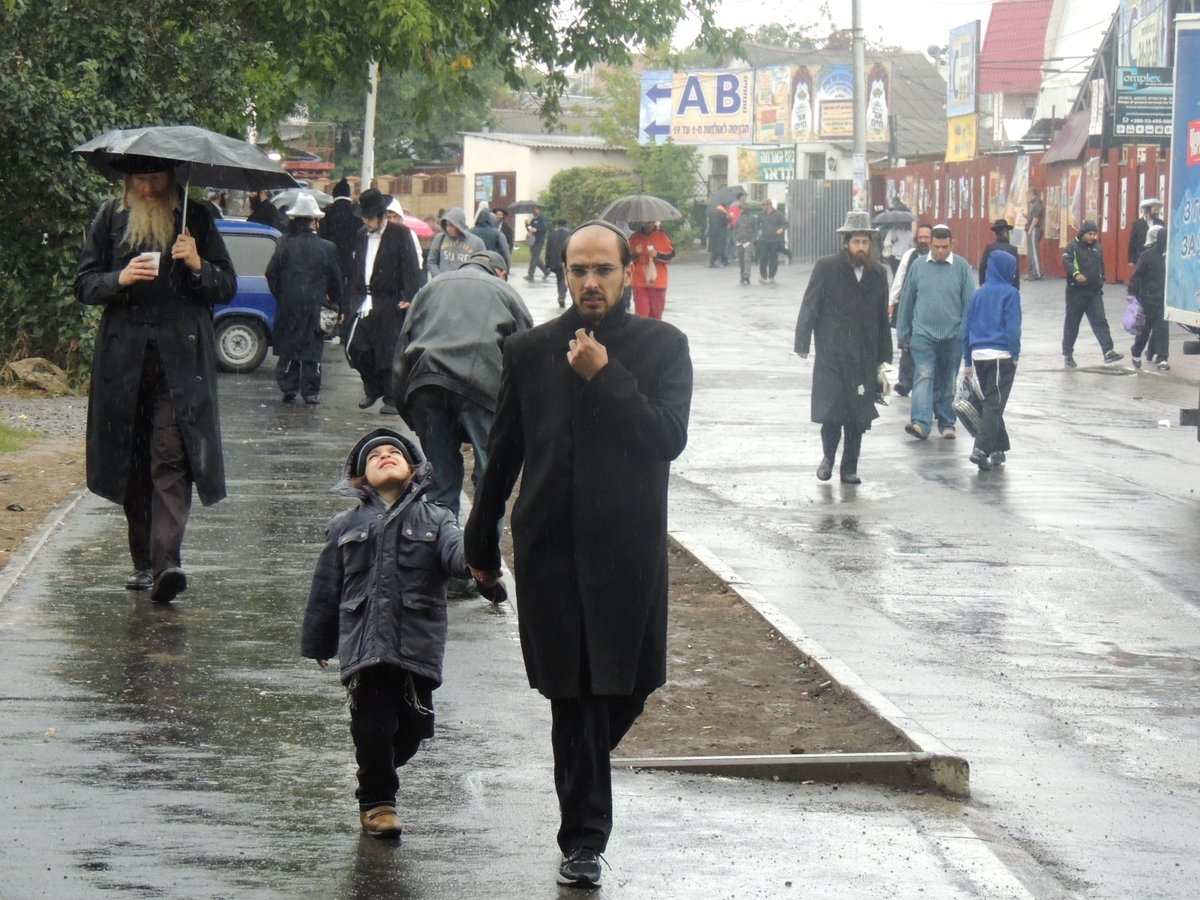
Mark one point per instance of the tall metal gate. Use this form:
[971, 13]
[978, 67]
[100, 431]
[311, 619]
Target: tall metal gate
[815, 211]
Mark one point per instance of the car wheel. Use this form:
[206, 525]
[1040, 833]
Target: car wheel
[241, 344]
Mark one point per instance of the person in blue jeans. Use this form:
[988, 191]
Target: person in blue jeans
[929, 322]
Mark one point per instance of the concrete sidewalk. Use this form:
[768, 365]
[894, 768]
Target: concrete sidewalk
[188, 751]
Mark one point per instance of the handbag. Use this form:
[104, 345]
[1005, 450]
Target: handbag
[1135, 316]
[968, 405]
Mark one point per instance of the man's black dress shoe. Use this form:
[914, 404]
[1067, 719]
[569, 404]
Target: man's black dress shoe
[140, 580]
[168, 584]
[825, 469]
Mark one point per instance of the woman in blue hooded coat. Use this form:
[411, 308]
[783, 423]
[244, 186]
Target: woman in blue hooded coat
[991, 347]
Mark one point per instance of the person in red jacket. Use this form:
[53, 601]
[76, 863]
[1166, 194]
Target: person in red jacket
[652, 250]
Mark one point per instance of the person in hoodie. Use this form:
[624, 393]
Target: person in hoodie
[455, 244]
[991, 347]
[487, 229]
[447, 367]
[1083, 261]
[1148, 284]
[378, 603]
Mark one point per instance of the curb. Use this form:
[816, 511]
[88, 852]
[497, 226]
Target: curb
[932, 766]
[25, 554]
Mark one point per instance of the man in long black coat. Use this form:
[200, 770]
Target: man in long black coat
[386, 277]
[1002, 230]
[341, 226]
[845, 306]
[153, 425]
[594, 406]
[303, 275]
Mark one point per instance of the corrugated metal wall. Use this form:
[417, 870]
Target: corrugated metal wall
[816, 210]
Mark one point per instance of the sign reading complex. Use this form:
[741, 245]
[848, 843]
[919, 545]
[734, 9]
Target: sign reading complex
[769, 105]
[1142, 103]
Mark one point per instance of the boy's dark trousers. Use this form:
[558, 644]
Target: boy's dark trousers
[386, 728]
[584, 732]
[158, 497]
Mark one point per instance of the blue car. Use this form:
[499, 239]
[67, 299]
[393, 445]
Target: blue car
[244, 325]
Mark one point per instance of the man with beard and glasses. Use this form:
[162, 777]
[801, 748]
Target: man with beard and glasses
[846, 307]
[153, 425]
[593, 406]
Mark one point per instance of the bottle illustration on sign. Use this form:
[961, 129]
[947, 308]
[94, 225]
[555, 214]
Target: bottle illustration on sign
[877, 110]
[802, 110]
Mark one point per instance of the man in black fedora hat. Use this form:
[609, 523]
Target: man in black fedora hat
[1002, 230]
[385, 276]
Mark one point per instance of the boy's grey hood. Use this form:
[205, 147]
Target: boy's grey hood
[422, 468]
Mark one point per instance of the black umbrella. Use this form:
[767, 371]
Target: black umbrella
[724, 196]
[521, 206]
[201, 157]
[639, 208]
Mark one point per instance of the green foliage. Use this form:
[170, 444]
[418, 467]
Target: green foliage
[71, 71]
[12, 439]
[581, 193]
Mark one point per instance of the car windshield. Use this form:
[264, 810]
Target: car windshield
[250, 252]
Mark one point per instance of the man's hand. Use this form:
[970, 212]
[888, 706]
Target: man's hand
[185, 249]
[323, 663]
[486, 577]
[140, 268]
[586, 355]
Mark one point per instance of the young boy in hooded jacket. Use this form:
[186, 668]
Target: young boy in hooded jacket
[378, 603]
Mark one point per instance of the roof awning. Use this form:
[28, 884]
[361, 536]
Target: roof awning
[1072, 138]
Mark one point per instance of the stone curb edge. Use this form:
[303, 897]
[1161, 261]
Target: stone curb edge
[932, 766]
[24, 555]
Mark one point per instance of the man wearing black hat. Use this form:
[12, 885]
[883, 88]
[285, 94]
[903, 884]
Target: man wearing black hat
[845, 307]
[1002, 230]
[153, 426]
[1083, 261]
[340, 226]
[386, 276]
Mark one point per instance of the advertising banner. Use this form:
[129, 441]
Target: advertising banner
[711, 107]
[1142, 103]
[962, 56]
[772, 105]
[1183, 207]
[962, 138]
[769, 164]
[1143, 28]
[654, 107]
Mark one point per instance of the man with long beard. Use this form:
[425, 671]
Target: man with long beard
[845, 306]
[153, 425]
[593, 406]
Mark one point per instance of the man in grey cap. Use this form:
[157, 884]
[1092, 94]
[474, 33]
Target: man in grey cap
[1083, 261]
[447, 366]
[846, 307]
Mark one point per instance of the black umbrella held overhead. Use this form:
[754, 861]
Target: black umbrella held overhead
[198, 156]
[724, 196]
[639, 208]
[522, 206]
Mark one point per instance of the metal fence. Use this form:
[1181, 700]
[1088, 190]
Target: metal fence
[816, 210]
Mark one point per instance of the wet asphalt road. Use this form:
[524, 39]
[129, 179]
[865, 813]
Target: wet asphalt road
[1041, 621]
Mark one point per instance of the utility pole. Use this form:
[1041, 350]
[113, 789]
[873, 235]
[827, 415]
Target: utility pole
[368, 148]
[862, 184]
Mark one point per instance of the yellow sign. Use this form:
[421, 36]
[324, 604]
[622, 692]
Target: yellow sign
[962, 138]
